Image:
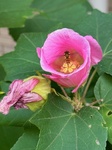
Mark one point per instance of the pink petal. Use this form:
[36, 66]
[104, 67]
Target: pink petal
[30, 97]
[96, 51]
[27, 98]
[17, 89]
[57, 43]
[4, 107]
[76, 79]
[28, 85]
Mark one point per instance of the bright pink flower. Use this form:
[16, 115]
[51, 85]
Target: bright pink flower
[69, 56]
[23, 92]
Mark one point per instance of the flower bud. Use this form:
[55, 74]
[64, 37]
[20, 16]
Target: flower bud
[29, 93]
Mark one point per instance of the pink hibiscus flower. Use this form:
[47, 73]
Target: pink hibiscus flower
[69, 56]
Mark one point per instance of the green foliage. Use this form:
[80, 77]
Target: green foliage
[13, 13]
[27, 62]
[103, 90]
[69, 13]
[28, 140]
[98, 25]
[56, 126]
[2, 73]
[61, 128]
[8, 136]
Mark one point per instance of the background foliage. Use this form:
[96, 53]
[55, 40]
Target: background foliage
[55, 126]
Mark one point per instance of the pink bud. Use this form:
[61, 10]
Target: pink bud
[19, 95]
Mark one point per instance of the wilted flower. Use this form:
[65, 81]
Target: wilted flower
[69, 56]
[30, 92]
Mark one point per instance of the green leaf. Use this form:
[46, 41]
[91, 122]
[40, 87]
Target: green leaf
[103, 90]
[13, 13]
[8, 136]
[23, 62]
[107, 115]
[62, 129]
[16, 118]
[2, 73]
[98, 25]
[69, 13]
[28, 140]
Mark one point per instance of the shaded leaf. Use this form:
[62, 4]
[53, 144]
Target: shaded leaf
[2, 73]
[28, 140]
[8, 136]
[13, 13]
[63, 129]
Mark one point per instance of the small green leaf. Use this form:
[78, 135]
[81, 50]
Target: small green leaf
[103, 90]
[23, 62]
[61, 128]
[13, 13]
[98, 25]
[28, 141]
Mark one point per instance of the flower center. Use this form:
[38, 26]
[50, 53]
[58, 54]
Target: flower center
[68, 62]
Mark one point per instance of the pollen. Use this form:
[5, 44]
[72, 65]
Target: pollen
[68, 67]
[68, 62]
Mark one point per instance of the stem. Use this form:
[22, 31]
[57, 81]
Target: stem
[64, 92]
[68, 99]
[88, 84]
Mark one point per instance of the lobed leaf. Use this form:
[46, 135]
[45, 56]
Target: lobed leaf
[61, 128]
